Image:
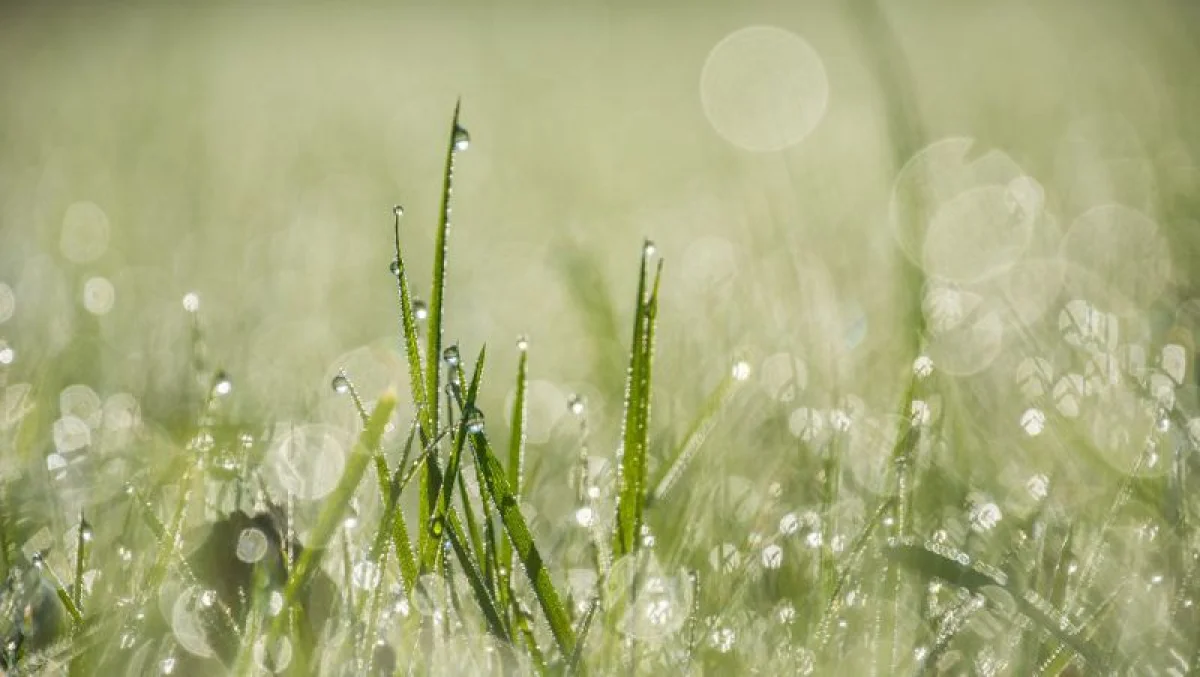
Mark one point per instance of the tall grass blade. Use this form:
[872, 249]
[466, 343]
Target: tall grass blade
[695, 437]
[527, 552]
[635, 434]
[339, 499]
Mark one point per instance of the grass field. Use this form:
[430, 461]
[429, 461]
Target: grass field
[839, 339]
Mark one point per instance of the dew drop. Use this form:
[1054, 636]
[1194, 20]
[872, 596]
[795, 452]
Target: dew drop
[398, 210]
[7, 355]
[985, 516]
[1033, 421]
[462, 138]
[208, 598]
[223, 385]
[85, 531]
[340, 384]
[251, 545]
[575, 404]
[923, 366]
[1038, 486]
[649, 248]
[419, 309]
[741, 370]
[475, 421]
[394, 267]
[522, 343]
[585, 516]
[167, 665]
[450, 356]
[772, 556]
[191, 302]
[789, 524]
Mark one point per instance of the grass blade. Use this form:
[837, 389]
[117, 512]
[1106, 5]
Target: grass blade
[695, 437]
[522, 540]
[82, 546]
[433, 544]
[635, 433]
[337, 502]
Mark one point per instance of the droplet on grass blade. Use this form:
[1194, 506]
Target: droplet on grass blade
[398, 210]
[191, 302]
[7, 354]
[340, 384]
[223, 385]
[462, 138]
[741, 370]
[451, 356]
[575, 404]
[394, 267]
[475, 421]
[419, 309]
[522, 343]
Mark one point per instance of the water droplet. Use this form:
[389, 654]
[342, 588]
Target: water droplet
[984, 516]
[167, 665]
[7, 354]
[475, 421]
[741, 370]
[340, 384]
[85, 531]
[398, 210]
[1038, 486]
[923, 366]
[419, 309]
[585, 516]
[394, 267]
[98, 295]
[1033, 421]
[191, 302]
[789, 524]
[450, 356]
[522, 343]
[649, 248]
[462, 138]
[223, 385]
[38, 560]
[208, 597]
[251, 545]
[575, 404]
[772, 556]
[786, 613]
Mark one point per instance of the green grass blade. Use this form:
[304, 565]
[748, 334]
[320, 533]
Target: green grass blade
[483, 596]
[437, 293]
[522, 540]
[635, 434]
[339, 499]
[516, 463]
[82, 545]
[445, 493]
[585, 627]
[695, 437]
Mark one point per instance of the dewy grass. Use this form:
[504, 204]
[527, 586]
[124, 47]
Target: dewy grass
[827, 572]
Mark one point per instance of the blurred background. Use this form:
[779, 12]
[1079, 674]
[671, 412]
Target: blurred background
[251, 155]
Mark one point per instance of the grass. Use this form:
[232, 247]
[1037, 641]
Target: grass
[664, 566]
